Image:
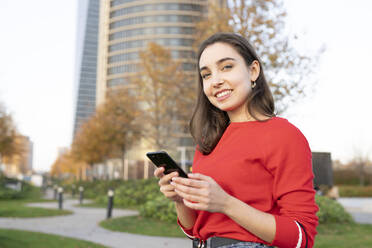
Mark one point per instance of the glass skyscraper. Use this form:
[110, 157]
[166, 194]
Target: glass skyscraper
[86, 61]
[127, 26]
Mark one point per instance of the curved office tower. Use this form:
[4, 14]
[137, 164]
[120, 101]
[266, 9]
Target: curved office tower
[126, 26]
[86, 61]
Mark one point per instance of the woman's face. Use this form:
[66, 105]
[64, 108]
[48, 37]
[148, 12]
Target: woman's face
[227, 79]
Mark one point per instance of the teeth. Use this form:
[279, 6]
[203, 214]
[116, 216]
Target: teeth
[224, 93]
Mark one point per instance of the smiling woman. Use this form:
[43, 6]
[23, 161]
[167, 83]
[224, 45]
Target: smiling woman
[252, 181]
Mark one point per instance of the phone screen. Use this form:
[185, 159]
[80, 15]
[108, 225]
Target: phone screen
[162, 159]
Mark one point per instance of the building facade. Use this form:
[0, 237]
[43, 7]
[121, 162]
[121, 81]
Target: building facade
[125, 29]
[127, 26]
[86, 61]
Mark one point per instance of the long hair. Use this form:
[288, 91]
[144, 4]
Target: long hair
[208, 123]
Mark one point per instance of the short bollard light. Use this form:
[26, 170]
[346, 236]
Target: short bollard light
[110, 204]
[81, 194]
[55, 187]
[60, 197]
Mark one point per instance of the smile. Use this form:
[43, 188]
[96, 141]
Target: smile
[223, 93]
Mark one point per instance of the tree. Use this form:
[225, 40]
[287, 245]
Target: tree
[86, 145]
[110, 131]
[166, 93]
[120, 126]
[65, 165]
[262, 22]
[8, 134]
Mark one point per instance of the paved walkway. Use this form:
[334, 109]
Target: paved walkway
[83, 224]
[359, 208]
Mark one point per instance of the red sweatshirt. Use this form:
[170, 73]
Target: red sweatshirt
[268, 166]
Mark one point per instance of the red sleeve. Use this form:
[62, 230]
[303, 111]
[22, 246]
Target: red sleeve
[186, 231]
[289, 161]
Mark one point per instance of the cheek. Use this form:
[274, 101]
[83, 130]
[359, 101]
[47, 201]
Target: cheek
[206, 89]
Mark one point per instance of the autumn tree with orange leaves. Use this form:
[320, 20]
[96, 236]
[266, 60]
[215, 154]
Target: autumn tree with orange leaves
[121, 128]
[10, 145]
[166, 93]
[110, 131]
[65, 166]
[262, 22]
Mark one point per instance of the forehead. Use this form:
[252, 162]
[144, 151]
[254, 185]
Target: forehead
[217, 51]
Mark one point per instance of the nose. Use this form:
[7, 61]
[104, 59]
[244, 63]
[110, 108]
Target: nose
[217, 81]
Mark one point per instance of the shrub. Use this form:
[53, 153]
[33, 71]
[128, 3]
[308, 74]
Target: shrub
[330, 211]
[27, 191]
[159, 208]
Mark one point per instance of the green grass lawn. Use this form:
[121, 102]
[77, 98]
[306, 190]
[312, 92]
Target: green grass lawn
[18, 208]
[329, 235]
[344, 236]
[22, 239]
[140, 225]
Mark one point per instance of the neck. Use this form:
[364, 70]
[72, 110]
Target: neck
[240, 117]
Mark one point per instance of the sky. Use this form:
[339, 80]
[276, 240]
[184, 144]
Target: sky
[37, 67]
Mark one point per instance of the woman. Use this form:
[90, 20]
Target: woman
[252, 180]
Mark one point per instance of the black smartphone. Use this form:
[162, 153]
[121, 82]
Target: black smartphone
[162, 159]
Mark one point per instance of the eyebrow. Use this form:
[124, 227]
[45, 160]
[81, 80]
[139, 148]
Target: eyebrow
[218, 62]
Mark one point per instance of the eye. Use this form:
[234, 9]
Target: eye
[205, 75]
[227, 67]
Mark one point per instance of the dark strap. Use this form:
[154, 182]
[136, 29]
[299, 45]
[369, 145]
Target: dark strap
[303, 229]
[220, 241]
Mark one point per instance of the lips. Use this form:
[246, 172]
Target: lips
[223, 94]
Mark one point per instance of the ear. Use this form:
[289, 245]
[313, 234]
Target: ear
[254, 70]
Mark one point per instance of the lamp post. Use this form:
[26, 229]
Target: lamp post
[110, 204]
[60, 197]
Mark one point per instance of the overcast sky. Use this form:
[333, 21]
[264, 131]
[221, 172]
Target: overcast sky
[37, 63]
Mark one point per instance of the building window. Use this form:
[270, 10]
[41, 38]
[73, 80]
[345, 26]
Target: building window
[154, 19]
[156, 7]
[143, 43]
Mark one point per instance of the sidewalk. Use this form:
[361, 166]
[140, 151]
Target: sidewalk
[359, 208]
[83, 224]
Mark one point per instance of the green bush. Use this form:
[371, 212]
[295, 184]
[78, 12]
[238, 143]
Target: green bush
[27, 191]
[133, 193]
[159, 208]
[330, 211]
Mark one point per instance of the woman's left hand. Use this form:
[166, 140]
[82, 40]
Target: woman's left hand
[201, 192]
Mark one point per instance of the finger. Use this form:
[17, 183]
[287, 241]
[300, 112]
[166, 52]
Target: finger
[170, 194]
[190, 182]
[199, 176]
[194, 205]
[187, 189]
[159, 172]
[167, 188]
[190, 197]
[167, 178]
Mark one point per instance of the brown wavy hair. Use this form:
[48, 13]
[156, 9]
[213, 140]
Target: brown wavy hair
[208, 123]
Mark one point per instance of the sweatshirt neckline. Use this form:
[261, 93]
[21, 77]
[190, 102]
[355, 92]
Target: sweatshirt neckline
[255, 122]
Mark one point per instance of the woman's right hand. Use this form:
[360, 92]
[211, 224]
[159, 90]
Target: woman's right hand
[165, 187]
